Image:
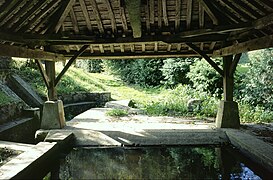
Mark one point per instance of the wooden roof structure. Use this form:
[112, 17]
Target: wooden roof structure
[114, 29]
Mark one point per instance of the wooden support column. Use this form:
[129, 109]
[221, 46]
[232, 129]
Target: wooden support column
[228, 112]
[228, 79]
[50, 71]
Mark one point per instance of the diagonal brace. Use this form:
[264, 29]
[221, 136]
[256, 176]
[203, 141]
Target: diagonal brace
[70, 62]
[234, 64]
[207, 58]
[43, 72]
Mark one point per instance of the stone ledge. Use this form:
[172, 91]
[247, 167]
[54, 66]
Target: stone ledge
[254, 148]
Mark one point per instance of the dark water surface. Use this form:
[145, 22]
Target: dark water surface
[159, 163]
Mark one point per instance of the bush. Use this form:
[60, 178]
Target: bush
[92, 66]
[175, 71]
[258, 81]
[204, 78]
[144, 72]
[116, 112]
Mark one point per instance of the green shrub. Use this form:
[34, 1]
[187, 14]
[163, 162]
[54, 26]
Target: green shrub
[91, 65]
[143, 72]
[117, 112]
[204, 78]
[175, 71]
[258, 114]
[4, 98]
[258, 81]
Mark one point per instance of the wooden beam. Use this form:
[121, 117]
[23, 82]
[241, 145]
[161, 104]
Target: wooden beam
[13, 8]
[147, 15]
[65, 9]
[209, 12]
[201, 16]
[51, 73]
[74, 21]
[70, 62]
[234, 64]
[43, 72]
[207, 58]
[152, 11]
[86, 15]
[111, 15]
[133, 8]
[123, 20]
[7, 7]
[189, 13]
[228, 81]
[159, 13]
[177, 15]
[165, 15]
[263, 22]
[254, 44]
[96, 13]
[15, 51]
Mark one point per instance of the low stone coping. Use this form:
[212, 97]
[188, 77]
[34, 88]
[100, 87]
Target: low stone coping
[254, 148]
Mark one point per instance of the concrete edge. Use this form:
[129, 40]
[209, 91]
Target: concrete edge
[15, 146]
[252, 147]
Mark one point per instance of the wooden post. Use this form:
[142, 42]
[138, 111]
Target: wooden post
[50, 71]
[228, 79]
[228, 112]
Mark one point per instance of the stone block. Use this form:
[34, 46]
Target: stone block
[53, 115]
[228, 115]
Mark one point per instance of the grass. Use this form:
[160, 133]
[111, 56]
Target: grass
[117, 112]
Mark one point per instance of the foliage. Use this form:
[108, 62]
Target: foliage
[175, 71]
[4, 98]
[144, 72]
[92, 65]
[205, 78]
[117, 112]
[258, 81]
[256, 114]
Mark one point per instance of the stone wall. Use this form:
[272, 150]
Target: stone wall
[99, 98]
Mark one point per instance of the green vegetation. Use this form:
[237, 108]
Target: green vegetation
[164, 87]
[117, 112]
[4, 98]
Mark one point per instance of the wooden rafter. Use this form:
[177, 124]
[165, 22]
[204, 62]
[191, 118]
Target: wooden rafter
[38, 16]
[14, 51]
[7, 7]
[207, 58]
[29, 14]
[165, 15]
[111, 15]
[70, 62]
[189, 14]
[147, 15]
[152, 11]
[64, 11]
[123, 19]
[209, 12]
[159, 13]
[13, 9]
[74, 21]
[177, 15]
[240, 7]
[133, 8]
[86, 15]
[201, 16]
[96, 13]
[254, 44]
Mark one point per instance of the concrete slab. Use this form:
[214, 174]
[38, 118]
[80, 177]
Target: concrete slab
[15, 146]
[251, 146]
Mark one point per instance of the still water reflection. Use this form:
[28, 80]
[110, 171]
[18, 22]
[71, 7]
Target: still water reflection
[158, 163]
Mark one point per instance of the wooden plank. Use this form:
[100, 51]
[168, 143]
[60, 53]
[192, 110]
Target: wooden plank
[165, 15]
[147, 15]
[263, 22]
[209, 12]
[207, 58]
[143, 47]
[43, 72]
[156, 47]
[74, 21]
[15, 51]
[211, 47]
[112, 48]
[123, 20]
[177, 15]
[70, 62]
[91, 49]
[169, 47]
[254, 44]
[189, 14]
[111, 15]
[101, 48]
[86, 15]
[159, 13]
[201, 16]
[8, 6]
[97, 15]
[152, 11]
[65, 9]
[122, 48]
[29, 14]
[132, 48]
[16, 7]
[38, 16]
[20, 12]
[235, 8]
[242, 8]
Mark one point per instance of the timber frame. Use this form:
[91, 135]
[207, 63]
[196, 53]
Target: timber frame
[58, 30]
